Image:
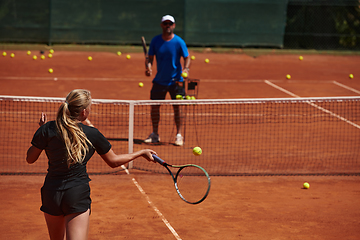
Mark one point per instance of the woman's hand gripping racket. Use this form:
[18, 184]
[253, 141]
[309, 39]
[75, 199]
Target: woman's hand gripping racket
[191, 181]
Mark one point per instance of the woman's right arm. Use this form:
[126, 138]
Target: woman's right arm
[33, 154]
[114, 160]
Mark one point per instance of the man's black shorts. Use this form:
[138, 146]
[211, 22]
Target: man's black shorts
[158, 92]
[65, 202]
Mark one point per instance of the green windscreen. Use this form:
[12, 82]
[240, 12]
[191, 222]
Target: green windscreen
[199, 22]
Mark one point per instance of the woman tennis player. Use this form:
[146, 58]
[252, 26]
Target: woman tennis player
[69, 144]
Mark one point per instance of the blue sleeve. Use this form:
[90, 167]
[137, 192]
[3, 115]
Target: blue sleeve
[184, 49]
[151, 51]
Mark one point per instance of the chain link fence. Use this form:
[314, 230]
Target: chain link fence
[323, 24]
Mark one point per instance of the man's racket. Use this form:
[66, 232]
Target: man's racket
[147, 63]
[192, 182]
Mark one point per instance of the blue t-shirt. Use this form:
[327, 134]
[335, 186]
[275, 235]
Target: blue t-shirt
[168, 55]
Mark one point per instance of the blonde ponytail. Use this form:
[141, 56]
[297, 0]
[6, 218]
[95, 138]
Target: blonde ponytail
[67, 121]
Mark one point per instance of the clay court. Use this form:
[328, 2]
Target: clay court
[253, 207]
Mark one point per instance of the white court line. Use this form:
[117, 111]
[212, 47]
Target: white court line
[313, 104]
[346, 87]
[172, 230]
[138, 79]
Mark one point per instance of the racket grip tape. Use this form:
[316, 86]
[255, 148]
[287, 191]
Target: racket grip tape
[159, 160]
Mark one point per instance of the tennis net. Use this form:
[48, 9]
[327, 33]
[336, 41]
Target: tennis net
[287, 136]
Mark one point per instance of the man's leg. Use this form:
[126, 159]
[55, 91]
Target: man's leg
[155, 118]
[158, 92]
[178, 89]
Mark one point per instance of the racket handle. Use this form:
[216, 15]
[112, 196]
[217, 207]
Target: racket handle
[159, 160]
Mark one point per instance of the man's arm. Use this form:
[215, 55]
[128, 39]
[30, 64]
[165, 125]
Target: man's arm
[186, 68]
[148, 64]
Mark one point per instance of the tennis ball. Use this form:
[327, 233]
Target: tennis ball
[34, 57]
[51, 71]
[301, 58]
[197, 151]
[351, 76]
[119, 53]
[50, 55]
[207, 60]
[141, 84]
[89, 58]
[288, 76]
[42, 57]
[12, 55]
[306, 185]
[51, 51]
[179, 97]
[188, 97]
[192, 57]
[193, 98]
[28, 52]
[184, 75]
[128, 56]
[4, 54]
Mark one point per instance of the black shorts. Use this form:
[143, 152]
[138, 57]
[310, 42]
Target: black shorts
[158, 92]
[65, 202]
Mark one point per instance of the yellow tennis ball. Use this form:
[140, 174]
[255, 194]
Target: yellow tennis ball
[34, 57]
[301, 58]
[51, 71]
[128, 56]
[207, 60]
[51, 51]
[192, 57]
[28, 52]
[50, 55]
[197, 151]
[12, 55]
[193, 98]
[351, 76]
[119, 53]
[288, 76]
[306, 185]
[188, 97]
[4, 54]
[184, 75]
[42, 57]
[89, 58]
[179, 97]
[141, 84]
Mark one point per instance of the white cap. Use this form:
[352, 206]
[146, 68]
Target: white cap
[167, 18]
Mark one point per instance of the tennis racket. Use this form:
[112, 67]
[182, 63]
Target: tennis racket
[192, 182]
[147, 63]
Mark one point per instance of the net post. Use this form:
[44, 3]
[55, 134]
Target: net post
[131, 130]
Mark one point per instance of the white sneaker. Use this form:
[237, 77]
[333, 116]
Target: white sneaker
[179, 140]
[153, 138]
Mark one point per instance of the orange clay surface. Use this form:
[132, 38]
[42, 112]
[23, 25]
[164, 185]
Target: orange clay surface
[237, 207]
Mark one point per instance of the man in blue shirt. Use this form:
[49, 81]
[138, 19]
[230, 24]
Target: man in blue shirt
[168, 48]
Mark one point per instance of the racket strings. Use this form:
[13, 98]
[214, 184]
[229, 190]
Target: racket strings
[193, 184]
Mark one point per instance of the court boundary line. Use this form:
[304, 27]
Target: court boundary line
[313, 104]
[162, 217]
[346, 87]
[133, 79]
